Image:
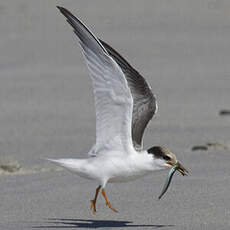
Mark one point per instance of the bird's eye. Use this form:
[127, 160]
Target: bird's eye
[167, 158]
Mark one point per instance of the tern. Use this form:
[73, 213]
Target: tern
[124, 106]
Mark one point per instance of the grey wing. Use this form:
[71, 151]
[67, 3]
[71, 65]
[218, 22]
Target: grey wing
[144, 101]
[113, 99]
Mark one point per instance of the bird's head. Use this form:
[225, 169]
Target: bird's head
[165, 159]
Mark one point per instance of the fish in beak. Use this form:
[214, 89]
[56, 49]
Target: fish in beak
[177, 167]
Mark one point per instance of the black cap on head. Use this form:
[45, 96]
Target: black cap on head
[159, 152]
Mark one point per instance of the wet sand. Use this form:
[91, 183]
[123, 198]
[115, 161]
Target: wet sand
[181, 47]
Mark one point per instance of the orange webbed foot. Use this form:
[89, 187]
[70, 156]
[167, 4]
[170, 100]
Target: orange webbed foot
[93, 206]
[110, 206]
[93, 202]
[107, 201]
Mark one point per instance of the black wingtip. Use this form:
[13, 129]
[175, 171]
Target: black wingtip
[59, 7]
[63, 10]
[66, 13]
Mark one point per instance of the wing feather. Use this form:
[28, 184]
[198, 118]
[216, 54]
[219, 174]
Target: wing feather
[144, 101]
[113, 99]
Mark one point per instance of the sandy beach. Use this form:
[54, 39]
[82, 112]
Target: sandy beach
[181, 47]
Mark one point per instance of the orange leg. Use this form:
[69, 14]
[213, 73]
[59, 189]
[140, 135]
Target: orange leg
[93, 202]
[106, 201]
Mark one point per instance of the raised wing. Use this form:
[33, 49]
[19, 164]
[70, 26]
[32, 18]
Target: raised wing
[144, 101]
[113, 100]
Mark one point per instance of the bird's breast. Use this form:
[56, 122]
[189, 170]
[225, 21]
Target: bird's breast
[126, 169]
[127, 178]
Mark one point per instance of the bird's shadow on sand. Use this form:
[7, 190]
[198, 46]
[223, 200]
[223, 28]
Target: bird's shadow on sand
[56, 223]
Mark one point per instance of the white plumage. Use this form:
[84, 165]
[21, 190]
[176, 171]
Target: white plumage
[124, 105]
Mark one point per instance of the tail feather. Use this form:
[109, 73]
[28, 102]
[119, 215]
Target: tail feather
[69, 163]
[55, 161]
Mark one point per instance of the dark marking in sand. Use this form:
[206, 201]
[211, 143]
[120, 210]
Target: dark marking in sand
[218, 146]
[199, 148]
[211, 146]
[224, 112]
[10, 167]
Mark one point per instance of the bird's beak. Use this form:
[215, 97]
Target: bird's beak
[180, 168]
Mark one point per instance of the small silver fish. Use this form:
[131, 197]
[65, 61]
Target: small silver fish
[168, 180]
